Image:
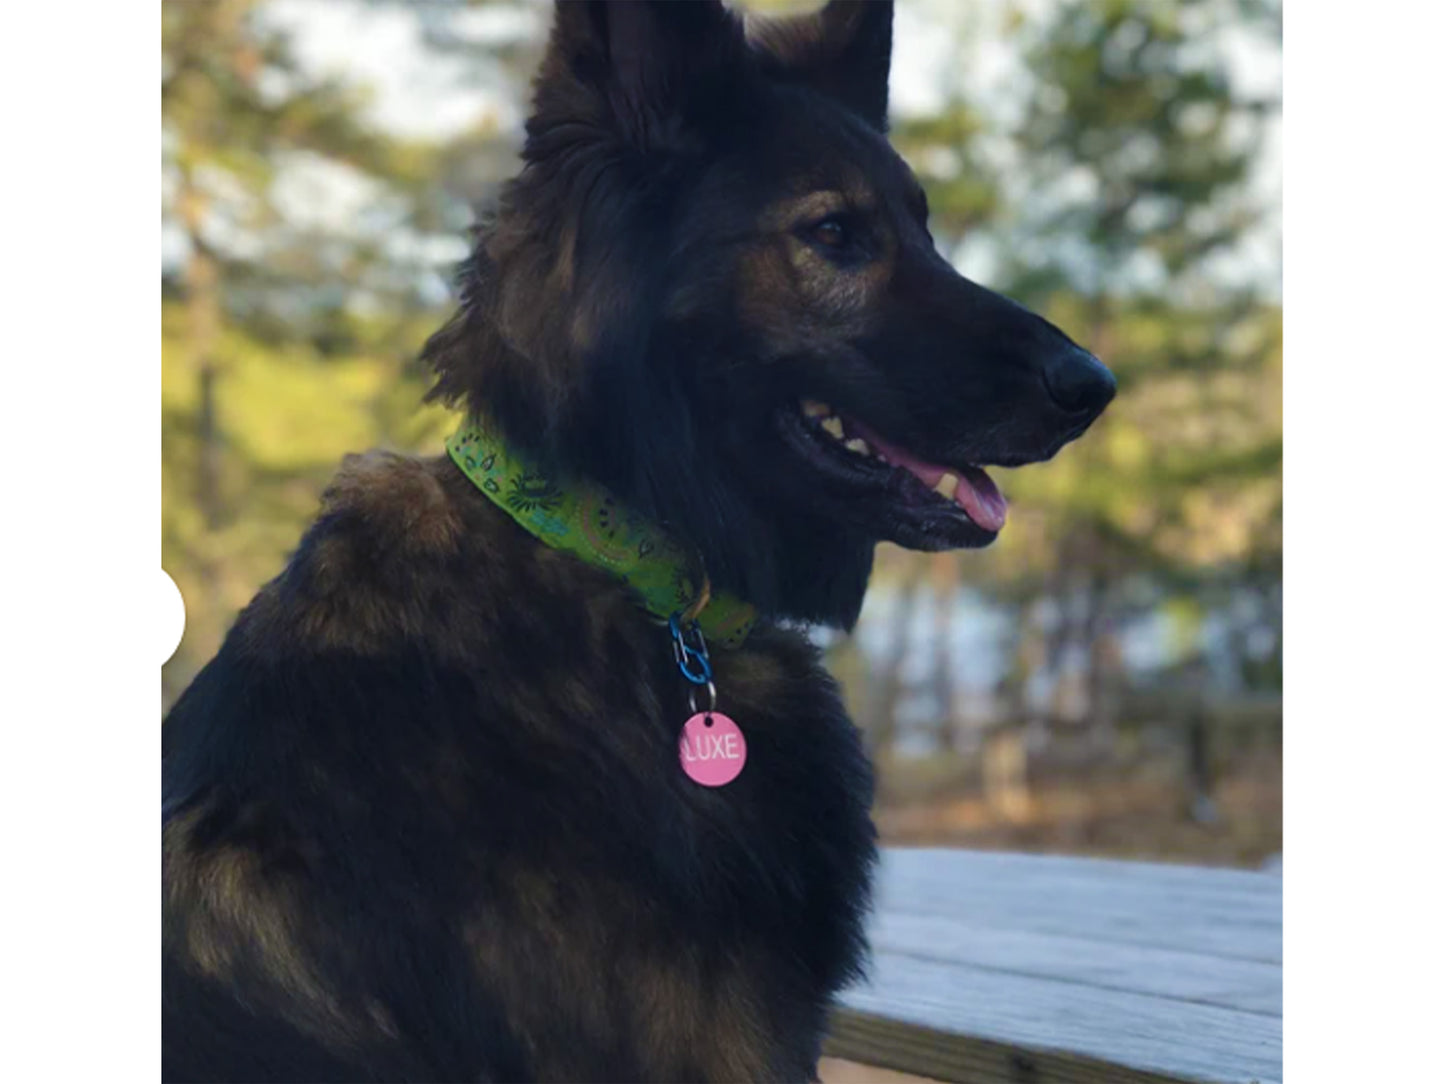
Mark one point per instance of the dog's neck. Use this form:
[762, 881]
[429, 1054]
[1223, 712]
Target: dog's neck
[790, 565]
[797, 570]
[592, 525]
[818, 573]
[646, 453]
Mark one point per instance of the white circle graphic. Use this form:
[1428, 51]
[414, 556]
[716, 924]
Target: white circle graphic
[172, 616]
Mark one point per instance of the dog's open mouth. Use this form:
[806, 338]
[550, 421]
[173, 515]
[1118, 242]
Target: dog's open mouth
[850, 453]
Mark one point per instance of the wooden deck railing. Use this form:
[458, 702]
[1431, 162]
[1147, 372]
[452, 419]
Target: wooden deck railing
[1017, 969]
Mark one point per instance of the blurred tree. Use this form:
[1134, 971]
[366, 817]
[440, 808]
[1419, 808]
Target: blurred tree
[1140, 148]
[945, 145]
[1135, 151]
[298, 244]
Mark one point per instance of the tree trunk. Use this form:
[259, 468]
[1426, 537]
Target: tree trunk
[202, 308]
[944, 578]
[203, 311]
[890, 684]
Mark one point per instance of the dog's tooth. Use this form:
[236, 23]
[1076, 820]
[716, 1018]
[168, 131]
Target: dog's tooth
[857, 444]
[947, 485]
[833, 426]
[814, 409]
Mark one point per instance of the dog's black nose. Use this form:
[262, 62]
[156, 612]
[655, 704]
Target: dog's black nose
[1078, 382]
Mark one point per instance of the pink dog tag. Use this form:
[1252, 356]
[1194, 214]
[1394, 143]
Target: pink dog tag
[712, 749]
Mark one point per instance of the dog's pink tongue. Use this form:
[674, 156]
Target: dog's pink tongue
[980, 498]
[976, 494]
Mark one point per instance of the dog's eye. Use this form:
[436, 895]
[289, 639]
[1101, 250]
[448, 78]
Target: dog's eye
[832, 232]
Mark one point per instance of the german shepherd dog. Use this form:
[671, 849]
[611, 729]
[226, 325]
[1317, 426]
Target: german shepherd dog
[425, 817]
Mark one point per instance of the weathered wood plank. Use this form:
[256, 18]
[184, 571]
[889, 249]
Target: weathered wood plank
[839, 1071]
[1248, 985]
[1233, 914]
[934, 1055]
[1125, 1030]
[994, 967]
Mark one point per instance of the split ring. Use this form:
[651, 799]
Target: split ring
[711, 698]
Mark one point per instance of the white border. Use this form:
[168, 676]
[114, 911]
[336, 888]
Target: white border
[79, 704]
[79, 773]
[1364, 395]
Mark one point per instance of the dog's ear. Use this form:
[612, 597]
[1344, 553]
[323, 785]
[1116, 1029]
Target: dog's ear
[640, 65]
[843, 51]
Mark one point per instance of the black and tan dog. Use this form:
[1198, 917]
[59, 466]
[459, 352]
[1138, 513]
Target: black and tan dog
[426, 816]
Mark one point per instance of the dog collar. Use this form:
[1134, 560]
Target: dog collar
[589, 523]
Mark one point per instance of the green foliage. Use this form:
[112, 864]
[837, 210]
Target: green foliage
[1138, 139]
[961, 193]
[287, 336]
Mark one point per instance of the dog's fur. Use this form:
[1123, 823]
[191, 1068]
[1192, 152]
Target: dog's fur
[424, 817]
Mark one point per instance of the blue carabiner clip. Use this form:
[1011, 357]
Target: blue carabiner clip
[691, 661]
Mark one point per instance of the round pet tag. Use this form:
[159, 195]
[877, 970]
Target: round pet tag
[712, 749]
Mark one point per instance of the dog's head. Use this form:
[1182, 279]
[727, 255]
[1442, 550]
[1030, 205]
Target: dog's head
[712, 288]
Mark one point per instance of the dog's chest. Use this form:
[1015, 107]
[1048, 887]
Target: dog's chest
[724, 916]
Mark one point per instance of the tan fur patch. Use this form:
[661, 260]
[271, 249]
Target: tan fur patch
[757, 675]
[787, 213]
[716, 1012]
[234, 909]
[794, 294]
[401, 497]
[384, 516]
[673, 1002]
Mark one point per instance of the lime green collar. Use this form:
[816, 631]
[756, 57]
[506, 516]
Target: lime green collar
[587, 522]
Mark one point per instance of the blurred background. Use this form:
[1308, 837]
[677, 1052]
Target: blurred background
[1106, 679]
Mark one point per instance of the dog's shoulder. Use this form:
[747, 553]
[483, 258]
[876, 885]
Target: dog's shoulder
[382, 515]
[392, 533]
[397, 501]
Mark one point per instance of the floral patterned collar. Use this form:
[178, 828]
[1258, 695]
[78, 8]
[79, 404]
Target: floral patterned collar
[586, 521]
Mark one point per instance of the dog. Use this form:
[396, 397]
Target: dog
[440, 807]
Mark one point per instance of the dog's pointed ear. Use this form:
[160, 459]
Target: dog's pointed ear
[637, 64]
[844, 51]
